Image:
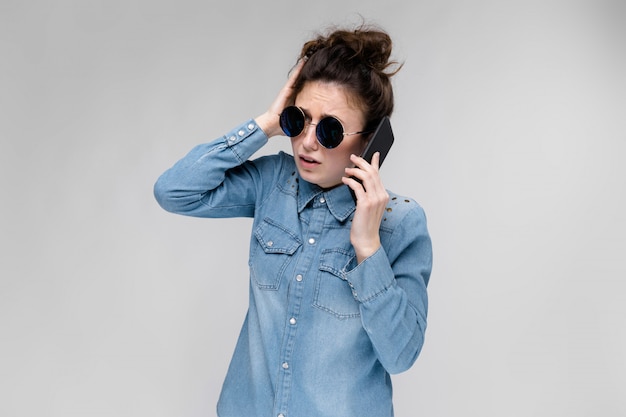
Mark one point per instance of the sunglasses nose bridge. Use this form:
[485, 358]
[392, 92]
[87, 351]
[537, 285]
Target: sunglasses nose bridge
[309, 136]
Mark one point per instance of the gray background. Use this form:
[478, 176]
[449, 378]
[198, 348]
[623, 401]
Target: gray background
[510, 132]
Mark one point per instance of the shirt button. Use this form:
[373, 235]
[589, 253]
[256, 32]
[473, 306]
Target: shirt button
[292, 320]
[251, 126]
[322, 200]
[298, 277]
[241, 133]
[232, 138]
[285, 365]
[312, 241]
[281, 415]
[270, 243]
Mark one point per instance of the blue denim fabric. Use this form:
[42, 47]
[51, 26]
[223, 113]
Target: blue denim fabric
[322, 334]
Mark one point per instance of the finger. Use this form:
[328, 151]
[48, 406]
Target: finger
[293, 76]
[295, 71]
[375, 161]
[286, 95]
[356, 173]
[291, 81]
[363, 164]
[369, 182]
[367, 174]
[356, 187]
[359, 162]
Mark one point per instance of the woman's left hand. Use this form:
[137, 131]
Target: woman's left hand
[372, 199]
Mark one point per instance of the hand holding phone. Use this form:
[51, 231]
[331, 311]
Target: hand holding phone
[381, 141]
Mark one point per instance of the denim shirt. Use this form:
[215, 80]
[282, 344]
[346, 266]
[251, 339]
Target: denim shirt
[322, 334]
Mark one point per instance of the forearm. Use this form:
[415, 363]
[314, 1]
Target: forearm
[393, 316]
[391, 288]
[182, 187]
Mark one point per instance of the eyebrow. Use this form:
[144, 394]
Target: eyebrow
[323, 115]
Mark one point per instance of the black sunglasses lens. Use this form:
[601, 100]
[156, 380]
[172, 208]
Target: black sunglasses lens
[329, 132]
[292, 121]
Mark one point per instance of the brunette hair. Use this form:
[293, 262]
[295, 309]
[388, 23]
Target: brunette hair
[358, 60]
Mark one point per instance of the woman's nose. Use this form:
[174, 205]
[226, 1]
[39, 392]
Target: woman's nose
[309, 140]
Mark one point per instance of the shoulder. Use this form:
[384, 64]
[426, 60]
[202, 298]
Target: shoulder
[274, 165]
[275, 172]
[280, 160]
[404, 232]
[403, 216]
[401, 211]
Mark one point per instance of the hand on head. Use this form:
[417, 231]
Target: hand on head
[268, 121]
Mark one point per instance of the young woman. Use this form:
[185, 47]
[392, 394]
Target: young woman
[337, 289]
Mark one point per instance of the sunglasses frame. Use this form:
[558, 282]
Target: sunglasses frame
[318, 129]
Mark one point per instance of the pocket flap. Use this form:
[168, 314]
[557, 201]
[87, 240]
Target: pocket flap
[337, 261]
[276, 238]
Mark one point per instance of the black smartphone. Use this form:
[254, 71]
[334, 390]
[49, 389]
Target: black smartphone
[381, 141]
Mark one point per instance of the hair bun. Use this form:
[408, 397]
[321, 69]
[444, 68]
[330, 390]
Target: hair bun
[370, 47]
[359, 60]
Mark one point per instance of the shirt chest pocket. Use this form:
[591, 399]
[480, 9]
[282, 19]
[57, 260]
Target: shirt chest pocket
[333, 293]
[272, 253]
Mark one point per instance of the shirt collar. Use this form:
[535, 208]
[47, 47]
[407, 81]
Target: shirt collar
[338, 199]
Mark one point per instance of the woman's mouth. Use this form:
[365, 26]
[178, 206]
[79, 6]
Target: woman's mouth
[308, 162]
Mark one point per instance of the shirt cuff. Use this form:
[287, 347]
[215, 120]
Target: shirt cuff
[372, 277]
[245, 139]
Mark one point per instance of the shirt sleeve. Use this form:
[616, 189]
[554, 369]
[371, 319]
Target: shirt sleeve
[216, 179]
[391, 288]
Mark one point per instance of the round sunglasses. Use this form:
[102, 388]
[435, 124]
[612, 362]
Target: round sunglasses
[329, 131]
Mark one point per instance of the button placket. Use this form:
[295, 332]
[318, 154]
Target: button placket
[306, 258]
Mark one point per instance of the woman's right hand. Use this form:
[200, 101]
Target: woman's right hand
[269, 121]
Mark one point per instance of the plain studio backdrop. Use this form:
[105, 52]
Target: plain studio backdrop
[510, 131]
